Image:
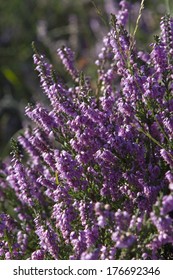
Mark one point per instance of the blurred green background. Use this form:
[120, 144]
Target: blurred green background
[51, 24]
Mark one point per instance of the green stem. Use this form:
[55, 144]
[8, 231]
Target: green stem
[137, 23]
[153, 139]
[167, 6]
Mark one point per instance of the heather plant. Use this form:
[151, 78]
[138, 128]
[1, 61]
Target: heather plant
[79, 24]
[92, 176]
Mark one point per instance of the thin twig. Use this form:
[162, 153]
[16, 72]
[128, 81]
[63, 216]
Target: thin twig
[137, 23]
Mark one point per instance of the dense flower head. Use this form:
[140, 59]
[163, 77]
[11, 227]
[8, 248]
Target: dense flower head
[93, 175]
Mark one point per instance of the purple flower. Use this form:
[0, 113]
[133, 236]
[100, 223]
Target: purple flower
[168, 157]
[48, 240]
[38, 255]
[67, 58]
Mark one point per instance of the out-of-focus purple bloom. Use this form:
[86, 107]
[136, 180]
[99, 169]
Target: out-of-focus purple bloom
[38, 255]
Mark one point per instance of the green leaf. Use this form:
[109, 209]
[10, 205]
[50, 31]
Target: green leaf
[10, 76]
